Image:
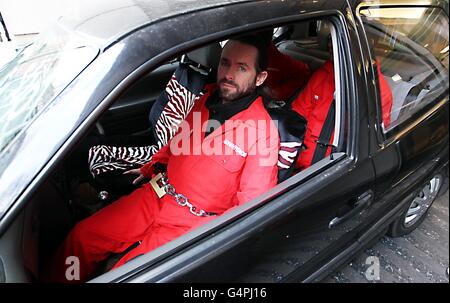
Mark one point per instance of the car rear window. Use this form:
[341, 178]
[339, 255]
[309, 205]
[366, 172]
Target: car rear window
[411, 45]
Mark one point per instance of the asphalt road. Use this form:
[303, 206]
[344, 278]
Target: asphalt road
[420, 257]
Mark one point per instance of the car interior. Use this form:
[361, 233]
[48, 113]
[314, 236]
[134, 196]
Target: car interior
[63, 200]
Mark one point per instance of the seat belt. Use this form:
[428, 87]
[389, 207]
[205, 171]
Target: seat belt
[325, 135]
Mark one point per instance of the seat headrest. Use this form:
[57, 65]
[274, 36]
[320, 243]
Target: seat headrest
[206, 57]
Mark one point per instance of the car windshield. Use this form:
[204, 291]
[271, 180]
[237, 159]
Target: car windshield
[36, 76]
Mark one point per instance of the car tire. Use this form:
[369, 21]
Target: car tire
[416, 211]
[444, 187]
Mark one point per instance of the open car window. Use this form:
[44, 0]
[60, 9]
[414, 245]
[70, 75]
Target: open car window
[321, 52]
[147, 115]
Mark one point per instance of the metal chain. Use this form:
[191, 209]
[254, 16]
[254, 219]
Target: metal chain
[182, 200]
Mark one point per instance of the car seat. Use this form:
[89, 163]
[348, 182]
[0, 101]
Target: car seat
[196, 69]
[301, 46]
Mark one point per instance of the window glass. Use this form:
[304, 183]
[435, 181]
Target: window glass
[36, 75]
[410, 48]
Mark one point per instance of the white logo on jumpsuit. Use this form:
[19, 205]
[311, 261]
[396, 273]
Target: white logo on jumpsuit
[234, 147]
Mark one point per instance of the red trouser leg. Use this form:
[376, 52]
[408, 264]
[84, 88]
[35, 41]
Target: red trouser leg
[157, 236]
[111, 230]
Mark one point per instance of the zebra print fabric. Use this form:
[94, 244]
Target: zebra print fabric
[103, 158]
[288, 154]
[179, 102]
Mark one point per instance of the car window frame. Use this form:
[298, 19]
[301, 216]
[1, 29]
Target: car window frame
[387, 137]
[180, 244]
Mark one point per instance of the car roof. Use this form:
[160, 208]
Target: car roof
[106, 21]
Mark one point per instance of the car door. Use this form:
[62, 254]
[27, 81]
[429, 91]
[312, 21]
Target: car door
[412, 54]
[301, 229]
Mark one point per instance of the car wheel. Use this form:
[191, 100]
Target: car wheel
[445, 183]
[416, 211]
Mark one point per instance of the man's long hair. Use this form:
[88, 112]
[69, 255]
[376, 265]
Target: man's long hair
[261, 41]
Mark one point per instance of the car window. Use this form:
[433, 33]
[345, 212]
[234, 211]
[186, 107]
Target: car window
[35, 76]
[410, 46]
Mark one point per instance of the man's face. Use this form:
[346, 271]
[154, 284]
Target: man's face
[237, 74]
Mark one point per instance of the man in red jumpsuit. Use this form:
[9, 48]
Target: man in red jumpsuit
[314, 102]
[223, 156]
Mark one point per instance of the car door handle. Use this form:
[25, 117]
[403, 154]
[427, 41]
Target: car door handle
[363, 202]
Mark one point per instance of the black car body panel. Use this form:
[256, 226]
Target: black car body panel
[286, 234]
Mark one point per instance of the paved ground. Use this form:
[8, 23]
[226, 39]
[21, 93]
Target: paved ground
[420, 257]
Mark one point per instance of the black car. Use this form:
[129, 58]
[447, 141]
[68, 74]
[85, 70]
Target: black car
[101, 71]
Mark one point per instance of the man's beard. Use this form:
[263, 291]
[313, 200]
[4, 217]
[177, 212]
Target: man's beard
[229, 96]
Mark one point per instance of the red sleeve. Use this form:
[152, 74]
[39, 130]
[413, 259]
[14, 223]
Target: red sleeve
[286, 74]
[260, 171]
[259, 175]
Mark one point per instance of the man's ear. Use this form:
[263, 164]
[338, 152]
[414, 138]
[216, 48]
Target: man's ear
[261, 77]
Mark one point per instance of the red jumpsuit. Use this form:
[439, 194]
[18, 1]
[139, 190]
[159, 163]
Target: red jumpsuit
[286, 75]
[313, 104]
[243, 166]
[315, 100]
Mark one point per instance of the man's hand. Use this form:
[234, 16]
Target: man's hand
[136, 171]
[155, 169]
